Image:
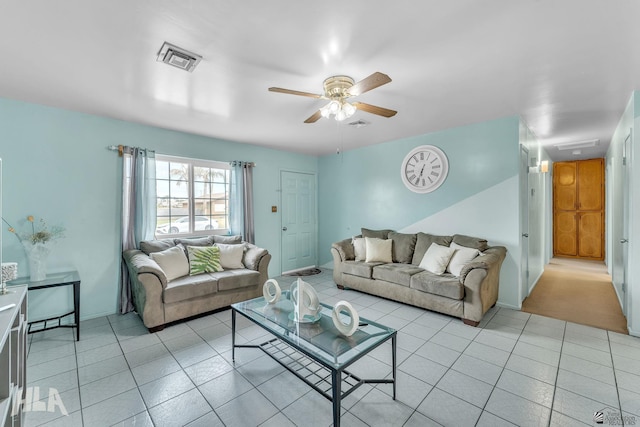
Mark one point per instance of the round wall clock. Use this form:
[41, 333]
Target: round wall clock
[424, 169]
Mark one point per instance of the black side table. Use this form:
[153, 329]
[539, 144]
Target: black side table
[54, 280]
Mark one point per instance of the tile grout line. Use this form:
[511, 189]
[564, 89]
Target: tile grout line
[615, 378]
[555, 383]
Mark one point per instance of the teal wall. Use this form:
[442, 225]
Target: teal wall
[56, 166]
[363, 188]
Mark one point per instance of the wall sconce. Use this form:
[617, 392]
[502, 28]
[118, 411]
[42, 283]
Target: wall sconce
[544, 166]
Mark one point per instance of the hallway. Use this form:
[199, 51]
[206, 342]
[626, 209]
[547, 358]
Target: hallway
[578, 291]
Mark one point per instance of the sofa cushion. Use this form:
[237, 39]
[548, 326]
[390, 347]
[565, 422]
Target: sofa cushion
[195, 241]
[231, 255]
[203, 259]
[359, 268]
[403, 246]
[235, 279]
[437, 258]
[444, 285]
[252, 256]
[461, 257]
[377, 250]
[359, 249]
[471, 242]
[151, 246]
[228, 240]
[188, 287]
[423, 241]
[376, 234]
[396, 273]
[172, 261]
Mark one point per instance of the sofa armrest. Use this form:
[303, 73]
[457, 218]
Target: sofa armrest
[341, 251]
[481, 280]
[263, 268]
[253, 256]
[138, 263]
[345, 249]
[148, 281]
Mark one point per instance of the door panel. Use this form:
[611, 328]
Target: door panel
[590, 185]
[564, 194]
[590, 234]
[565, 234]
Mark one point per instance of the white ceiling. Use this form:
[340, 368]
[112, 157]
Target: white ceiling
[568, 67]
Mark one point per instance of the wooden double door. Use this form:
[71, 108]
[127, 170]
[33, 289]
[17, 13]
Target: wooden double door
[578, 209]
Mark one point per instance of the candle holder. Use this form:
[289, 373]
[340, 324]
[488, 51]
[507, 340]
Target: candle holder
[9, 272]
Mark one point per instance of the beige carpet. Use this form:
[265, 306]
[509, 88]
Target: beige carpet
[578, 291]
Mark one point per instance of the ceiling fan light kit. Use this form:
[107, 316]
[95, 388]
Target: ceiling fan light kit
[337, 89]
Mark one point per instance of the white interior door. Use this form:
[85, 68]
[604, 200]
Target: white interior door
[524, 223]
[626, 176]
[299, 225]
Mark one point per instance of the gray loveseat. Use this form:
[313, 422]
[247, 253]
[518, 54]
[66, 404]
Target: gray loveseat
[467, 296]
[159, 301]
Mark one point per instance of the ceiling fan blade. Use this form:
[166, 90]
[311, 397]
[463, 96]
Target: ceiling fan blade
[373, 81]
[314, 117]
[294, 92]
[384, 112]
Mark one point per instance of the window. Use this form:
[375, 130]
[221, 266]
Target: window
[193, 196]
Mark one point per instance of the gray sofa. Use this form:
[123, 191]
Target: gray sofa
[467, 296]
[159, 301]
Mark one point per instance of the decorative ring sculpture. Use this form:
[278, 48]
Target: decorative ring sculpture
[266, 291]
[346, 329]
[305, 300]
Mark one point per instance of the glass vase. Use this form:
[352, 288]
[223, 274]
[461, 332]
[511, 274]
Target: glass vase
[37, 254]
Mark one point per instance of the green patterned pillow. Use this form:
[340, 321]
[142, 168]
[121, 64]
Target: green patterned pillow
[203, 259]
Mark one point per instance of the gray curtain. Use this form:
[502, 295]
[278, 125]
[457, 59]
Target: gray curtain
[138, 210]
[241, 200]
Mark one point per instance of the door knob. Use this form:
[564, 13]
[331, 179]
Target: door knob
[284, 228]
[525, 234]
[623, 240]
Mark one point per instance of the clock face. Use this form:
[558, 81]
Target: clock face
[424, 169]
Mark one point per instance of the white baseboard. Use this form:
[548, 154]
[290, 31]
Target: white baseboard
[634, 332]
[328, 265]
[535, 282]
[510, 306]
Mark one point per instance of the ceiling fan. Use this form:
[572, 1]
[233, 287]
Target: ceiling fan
[337, 89]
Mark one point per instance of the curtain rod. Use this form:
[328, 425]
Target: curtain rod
[121, 148]
[250, 164]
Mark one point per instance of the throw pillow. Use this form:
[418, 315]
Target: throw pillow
[403, 246]
[172, 261]
[359, 248]
[227, 240]
[195, 241]
[423, 243]
[436, 258]
[151, 246]
[378, 250]
[461, 257]
[231, 255]
[471, 242]
[376, 234]
[204, 259]
[253, 256]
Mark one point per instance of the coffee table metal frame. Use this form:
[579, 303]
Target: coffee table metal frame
[331, 380]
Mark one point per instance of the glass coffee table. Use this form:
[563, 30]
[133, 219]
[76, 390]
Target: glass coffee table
[315, 351]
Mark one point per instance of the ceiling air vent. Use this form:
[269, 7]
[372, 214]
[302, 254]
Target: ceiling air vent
[577, 145]
[359, 124]
[178, 57]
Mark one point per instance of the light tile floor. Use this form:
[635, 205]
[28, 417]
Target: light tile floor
[514, 369]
